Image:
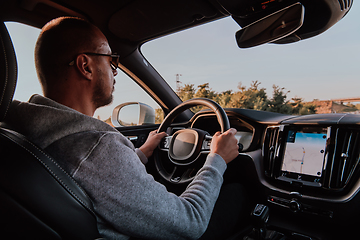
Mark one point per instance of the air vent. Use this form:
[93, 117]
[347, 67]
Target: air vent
[344, 162]
[345, 4]
[270, 149]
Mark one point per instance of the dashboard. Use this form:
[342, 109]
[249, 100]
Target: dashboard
[245, 130]
[304, 168]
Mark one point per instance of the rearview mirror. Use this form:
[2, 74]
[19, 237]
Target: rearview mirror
[272, 27]
[132, 114]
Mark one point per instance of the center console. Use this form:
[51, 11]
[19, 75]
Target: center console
[317, 158]
[311, 177]
[304, 155]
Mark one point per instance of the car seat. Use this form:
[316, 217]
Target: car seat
[38, 199]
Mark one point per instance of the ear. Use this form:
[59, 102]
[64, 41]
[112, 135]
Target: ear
[85, 66]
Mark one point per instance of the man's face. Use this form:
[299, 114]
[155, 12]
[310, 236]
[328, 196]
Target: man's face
[103, 90]
[105, 76]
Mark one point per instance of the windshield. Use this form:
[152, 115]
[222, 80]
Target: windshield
[316, 75]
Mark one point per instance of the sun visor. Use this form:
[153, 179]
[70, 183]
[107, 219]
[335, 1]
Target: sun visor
[142, 20]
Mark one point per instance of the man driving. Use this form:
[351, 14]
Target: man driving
[77, 70]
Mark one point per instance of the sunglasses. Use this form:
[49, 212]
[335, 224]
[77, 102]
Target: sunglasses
[114, 63]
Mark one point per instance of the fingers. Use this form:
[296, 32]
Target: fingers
[156, 132]
[155, 137]
[158, 135]
[162, 135]
[225, 145]
[217, 134]
[231, 131]
[152, 141]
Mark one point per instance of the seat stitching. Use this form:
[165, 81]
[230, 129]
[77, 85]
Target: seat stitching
[49, 169]
[6, 67]
[7, 74]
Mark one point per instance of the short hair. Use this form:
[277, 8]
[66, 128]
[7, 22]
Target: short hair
[58, 44]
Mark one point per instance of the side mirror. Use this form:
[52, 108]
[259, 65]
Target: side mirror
[272, 27]
[132, 114]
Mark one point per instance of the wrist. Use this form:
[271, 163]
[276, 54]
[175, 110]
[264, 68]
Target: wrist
[146, 151]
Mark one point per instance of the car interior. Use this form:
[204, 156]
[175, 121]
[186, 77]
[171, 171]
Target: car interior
[316, 200]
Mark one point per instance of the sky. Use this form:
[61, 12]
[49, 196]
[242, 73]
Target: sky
[323, 67]
[310, 69]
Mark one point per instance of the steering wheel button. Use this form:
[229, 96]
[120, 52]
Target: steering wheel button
[206, 145]
[167, 142]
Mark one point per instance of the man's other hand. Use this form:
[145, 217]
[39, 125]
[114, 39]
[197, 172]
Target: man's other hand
[225, 144]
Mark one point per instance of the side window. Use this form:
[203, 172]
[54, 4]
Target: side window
[24, 38]
[126, 90]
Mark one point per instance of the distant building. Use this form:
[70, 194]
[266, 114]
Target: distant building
[330, 106]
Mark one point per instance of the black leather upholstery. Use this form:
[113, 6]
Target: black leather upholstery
[37, 197]
[38, 200]
[8, 71]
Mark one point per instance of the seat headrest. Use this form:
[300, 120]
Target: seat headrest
[8, 70]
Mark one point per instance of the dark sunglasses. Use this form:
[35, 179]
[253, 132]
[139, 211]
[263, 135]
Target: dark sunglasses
[114, 63]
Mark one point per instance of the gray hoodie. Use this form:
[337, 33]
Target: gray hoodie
[127, 200]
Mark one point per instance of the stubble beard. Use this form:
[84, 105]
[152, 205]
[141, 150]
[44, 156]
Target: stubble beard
[100, 98]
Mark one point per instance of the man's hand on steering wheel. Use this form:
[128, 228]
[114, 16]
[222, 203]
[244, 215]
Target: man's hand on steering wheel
[225, 144]
[152, 142]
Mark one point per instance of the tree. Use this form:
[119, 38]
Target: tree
[159, 115]
[251, 98]
[204, 91]
[254, 97]
[308, 108]
[300, 108]
[278, 102]
[224, 98]
[187, 92]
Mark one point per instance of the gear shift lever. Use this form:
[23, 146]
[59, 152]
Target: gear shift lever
[260, 216]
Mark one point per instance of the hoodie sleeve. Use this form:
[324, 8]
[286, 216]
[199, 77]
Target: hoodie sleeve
[134, 204]
[141, 155]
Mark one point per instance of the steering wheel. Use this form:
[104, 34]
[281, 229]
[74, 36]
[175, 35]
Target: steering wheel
[185, 146]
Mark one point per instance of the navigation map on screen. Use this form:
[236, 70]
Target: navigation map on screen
[304, 153]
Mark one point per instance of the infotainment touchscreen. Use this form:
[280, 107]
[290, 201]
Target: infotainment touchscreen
[304, 155]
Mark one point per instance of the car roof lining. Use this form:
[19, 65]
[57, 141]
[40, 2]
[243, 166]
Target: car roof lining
[134, 21]
[142, 20]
